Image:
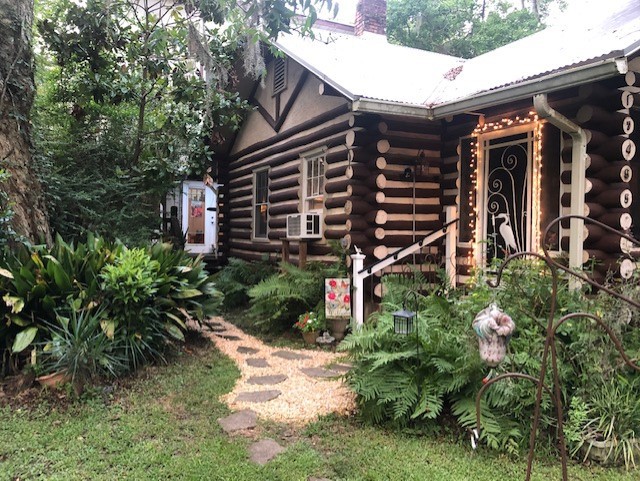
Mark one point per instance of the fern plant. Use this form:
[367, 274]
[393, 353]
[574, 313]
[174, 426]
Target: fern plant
[277, 301]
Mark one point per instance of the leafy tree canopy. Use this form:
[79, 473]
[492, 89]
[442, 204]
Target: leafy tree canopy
[464, 28]
[133, 95]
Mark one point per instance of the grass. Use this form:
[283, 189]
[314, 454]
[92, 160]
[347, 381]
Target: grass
[164, 426]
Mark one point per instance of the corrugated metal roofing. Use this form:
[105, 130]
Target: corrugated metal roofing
[369, 67]
[551, 50]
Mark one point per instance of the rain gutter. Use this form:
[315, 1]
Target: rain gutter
[578, 170]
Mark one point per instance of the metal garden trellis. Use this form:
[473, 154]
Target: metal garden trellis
[549, 350]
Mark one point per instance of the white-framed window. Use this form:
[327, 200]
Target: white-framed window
[260, 204]
[313, 181]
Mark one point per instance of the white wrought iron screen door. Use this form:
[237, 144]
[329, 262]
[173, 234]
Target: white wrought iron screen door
[505, 193]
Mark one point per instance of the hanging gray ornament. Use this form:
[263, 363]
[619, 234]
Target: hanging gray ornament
[494, 329]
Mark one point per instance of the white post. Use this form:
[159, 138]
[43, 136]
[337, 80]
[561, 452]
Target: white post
[357, 265]
[451, 239]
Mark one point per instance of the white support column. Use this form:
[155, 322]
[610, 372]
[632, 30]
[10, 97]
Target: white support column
[357, 265]
[451, 240]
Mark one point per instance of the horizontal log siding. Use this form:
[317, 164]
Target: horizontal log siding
[611, 196]
[282, 158]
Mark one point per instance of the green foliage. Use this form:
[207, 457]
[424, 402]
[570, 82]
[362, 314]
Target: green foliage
[463, 28]
[420, 378]
[80, 349]
[133, 97]
[145, 298]
[277, 301]
[235, 279]
[611, 414]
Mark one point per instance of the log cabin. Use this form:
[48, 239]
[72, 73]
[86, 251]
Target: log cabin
[362, 141]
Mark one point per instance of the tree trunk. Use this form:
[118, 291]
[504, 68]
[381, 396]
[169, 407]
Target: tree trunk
[16, 97]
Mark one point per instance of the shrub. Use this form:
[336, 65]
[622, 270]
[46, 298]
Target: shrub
[394, 383]
[80, 349]
[237, 277]
[277, 301]
[142, 297]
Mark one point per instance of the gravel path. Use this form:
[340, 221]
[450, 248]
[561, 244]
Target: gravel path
[302, 398]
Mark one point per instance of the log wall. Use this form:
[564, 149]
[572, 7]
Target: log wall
[609, 112]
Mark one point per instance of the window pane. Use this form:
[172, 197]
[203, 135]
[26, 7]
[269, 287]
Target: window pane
[195, 223]
[261, 207]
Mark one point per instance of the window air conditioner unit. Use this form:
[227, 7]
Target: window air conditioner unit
[304, 226]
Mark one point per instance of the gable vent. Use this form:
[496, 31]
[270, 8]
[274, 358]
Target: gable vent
[279, 75]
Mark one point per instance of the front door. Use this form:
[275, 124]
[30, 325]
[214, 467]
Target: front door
[199, 217]
[505, 206]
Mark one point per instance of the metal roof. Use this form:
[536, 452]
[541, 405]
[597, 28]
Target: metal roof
[369, 68]
[554, 49]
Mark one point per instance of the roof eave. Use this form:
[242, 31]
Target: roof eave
[556, 81]
[374, 106]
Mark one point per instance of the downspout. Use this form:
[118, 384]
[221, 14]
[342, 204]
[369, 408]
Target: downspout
[578, 170]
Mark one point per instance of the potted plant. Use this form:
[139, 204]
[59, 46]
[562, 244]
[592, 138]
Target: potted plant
[604, 427]
[310, 325]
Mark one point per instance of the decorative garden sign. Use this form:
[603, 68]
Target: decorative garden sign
[337, 298]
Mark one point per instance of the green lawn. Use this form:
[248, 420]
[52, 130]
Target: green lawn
[164, 427]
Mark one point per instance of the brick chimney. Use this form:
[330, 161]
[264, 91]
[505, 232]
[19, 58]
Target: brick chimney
[371, 16]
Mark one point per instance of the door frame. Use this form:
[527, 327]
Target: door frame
[210, 219]
[533, 172]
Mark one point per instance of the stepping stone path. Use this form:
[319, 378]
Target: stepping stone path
[247, 350]
[258, 396]
[290, 355]
[245, 419]
[267, 380]
[257, 362]
[264, 451]
[320, 372]
[304, 378]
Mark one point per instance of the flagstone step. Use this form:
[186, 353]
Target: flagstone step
[267, 380]
[258, 396]
[319, 372]
[245, 419]
[247, 350]
[290, 355]
[263, 451]
[341, 368]
[257, 362]
[228, 337]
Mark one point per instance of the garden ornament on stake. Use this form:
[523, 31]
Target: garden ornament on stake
[549, 350]
[494, 329]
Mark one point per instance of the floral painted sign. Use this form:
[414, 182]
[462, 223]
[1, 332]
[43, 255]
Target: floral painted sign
[337, 298]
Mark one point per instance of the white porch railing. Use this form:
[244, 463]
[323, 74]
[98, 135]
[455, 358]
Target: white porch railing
[360, 273]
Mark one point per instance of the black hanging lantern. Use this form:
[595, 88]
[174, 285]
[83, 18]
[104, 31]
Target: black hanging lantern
[404, 321]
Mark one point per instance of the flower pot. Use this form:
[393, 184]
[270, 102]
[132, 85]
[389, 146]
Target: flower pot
[601, 451]
[54, 380]
[338, 328]
[310, 337]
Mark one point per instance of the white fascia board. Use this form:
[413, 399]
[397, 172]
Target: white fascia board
[557, 81]
[387, 107]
